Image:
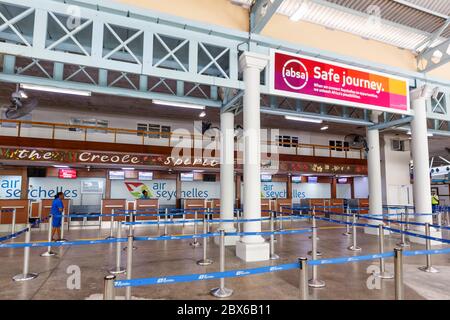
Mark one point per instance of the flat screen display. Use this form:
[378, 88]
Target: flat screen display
[312, 179]
[342, 180]
[187, 176]
[117, 175]
[296, 179]
[266, 178]
[67, 174]
[145, 176]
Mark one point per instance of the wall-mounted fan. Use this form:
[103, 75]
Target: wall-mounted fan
[20, 105]
[357, 141]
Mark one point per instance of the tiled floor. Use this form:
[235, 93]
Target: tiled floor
[162, 258]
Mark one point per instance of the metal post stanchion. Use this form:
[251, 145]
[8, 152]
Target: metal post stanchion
[354, 246]
[428, 268]
[166, 212]
[439, 217]
[131, 228]
[383, 273]
[447, 216]
[118, 269]
[195, 244]
[209, 216]
[403, 241]
[303, 281]
[129, 263]
[398, 270]
[26, 275]
[280, 220]
[273, 256]
[314, 282]
[238, 224]
[347, 225]
[49, 251]
[314, 237]
[111, 228]
[109, 290]
[222, 292]
[205, 261]
[13, 225]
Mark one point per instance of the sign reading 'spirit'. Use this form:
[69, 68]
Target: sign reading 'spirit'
[324, 81]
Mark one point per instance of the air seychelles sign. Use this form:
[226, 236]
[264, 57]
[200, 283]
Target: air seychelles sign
[324, 81]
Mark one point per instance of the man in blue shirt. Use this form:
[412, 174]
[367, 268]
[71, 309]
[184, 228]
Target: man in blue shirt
[144, 195]
[56, 212]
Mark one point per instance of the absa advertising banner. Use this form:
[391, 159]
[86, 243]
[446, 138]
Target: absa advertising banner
[324, 81]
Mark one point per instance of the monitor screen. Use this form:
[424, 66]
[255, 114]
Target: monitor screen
[187, 176]
[67, 174]
[145, 176]
[117, 175]
[296, 179]
[312, 179]
[266, 178]
[342, 180]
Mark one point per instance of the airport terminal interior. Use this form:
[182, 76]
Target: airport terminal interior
[224, 150]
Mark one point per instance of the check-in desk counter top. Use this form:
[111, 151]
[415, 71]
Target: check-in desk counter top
[21, 208]
[146, 206]
[192, 205]
[267, 205]
[214, 206]
[283, 205]
[117, 206]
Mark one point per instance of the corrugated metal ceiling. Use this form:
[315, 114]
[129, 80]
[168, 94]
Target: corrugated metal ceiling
[405, 23]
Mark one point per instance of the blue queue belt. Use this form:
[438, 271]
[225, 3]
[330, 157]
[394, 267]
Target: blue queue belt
[15, 235]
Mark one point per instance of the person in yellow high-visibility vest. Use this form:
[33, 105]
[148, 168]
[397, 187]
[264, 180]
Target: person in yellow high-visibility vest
[434, 200]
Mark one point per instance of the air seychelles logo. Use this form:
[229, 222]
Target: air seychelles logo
[136, 188]
[295, 74]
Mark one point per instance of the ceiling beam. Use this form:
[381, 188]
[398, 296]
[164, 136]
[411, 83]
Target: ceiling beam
[435, 57]
[261, 12]
[421, 8]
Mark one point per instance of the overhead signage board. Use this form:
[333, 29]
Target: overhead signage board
[307, 78]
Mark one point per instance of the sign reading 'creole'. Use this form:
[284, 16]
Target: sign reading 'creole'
[329, 82]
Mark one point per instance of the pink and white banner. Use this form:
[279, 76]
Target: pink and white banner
[324, 81]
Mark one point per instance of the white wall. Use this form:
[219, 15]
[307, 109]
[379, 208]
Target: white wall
[310, 191]
[361, 185]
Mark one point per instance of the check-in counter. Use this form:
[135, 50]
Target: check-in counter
[146, 206]
[192, 205]
[267, 205]
[284, 205]
[117, 206]
[46, 207]
[35, 207]
[363, 205]
[214, 205]
[16, 211]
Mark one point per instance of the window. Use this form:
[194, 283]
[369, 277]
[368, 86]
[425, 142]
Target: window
[287, 141]
[399, 145]
[339, 145]
[154, 131]
[90, 123]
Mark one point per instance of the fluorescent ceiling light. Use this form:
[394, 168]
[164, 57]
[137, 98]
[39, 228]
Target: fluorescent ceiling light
[60, 166]
[298, 14]
[56, 90]
[127, 169]
[324, 128]
[179, 104]
[303, 119]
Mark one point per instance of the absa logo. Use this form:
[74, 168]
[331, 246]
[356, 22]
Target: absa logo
[295, 74]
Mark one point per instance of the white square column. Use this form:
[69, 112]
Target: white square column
[420, 156]
[252, 248]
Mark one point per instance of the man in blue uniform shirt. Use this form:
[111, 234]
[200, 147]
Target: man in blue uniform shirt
[56, 212]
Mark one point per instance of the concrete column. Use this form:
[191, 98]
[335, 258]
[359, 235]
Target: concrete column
[227, 185]
[420, 156]
[252, 248]
[374, 168]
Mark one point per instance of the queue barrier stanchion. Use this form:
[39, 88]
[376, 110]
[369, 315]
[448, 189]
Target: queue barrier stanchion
[273, 256]
[13, 225]
[383, 273]
[49, 252]
[129, 262]
[26, 275]
[109, 289]
[439, 217]
[166, 212]
[131, 220]
[314, 282]
[398, 271]
[429, 267]
[354, 246]
[403, 241]
[314, 237]
[118, 269]
[280, 225]
[303, 279]
[347, 225]
[205, 261]
[195, 244]
[63, 218]
[210, 217]
[111, 227]
[222, 291]
[447, 216]
[238, 224]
